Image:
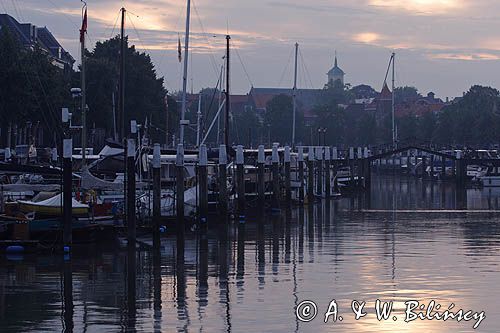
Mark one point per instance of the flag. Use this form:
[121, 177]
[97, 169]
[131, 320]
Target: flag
[83, 30]
[179, 50]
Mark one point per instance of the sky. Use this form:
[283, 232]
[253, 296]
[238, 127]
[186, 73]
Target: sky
[444, 46]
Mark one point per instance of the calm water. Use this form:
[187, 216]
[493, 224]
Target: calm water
[249, 278]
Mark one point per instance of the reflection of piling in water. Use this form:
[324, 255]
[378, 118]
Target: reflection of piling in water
[157, 288]
[203, 270]
[68, 296]
[240, 268]
[131, 287]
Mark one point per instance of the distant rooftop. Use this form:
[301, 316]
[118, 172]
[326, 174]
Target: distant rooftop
[30, 36]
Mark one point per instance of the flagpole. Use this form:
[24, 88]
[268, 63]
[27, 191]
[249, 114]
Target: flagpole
[84, 94]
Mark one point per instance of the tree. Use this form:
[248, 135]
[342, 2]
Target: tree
[144, 91]
[32, 90]
[278, 120]
[406, 94]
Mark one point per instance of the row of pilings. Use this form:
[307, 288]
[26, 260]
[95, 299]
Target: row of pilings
[284, 177]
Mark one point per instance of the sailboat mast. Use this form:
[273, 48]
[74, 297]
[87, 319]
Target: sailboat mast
[228, 103]
[294, 95]
[84, 93]
[184, 77]
[393, 99]
[121, 101]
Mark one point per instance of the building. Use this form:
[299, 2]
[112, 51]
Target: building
[335, 74]
[31, 36]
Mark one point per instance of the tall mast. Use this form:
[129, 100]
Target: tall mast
[84, 93]
[228, 103]
[121, 101]
[184, 77]
[393, 99]
[294, 95]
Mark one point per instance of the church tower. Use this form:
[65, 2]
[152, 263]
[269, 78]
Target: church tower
[335, 74]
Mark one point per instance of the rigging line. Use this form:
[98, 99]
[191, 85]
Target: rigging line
[67, 16]
[243, 65]
[15, 10]
[146, 50]
[211, 53]
[210, 106]
[308, 75]
[286, 67]
[21, 16]
[114, 26]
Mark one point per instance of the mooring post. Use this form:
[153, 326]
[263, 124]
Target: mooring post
[240, 182]
[276, 180]
[359, 167]
[443, 167]
[156, 195]
[223, 204]
[432, 167]
[319, 168]
[179, 195]
[328, 179]
[300, 161]
[288, 180]
[424, 166]
[367, 168]
[203, 185]
[335, 158]
[310, 175]
[351, 165]
[261, 183]
[131, 222]
[67, 194]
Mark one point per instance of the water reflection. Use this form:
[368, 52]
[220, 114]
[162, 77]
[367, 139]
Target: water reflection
[250, 276]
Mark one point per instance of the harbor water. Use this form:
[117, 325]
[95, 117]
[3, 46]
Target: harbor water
[405, 240]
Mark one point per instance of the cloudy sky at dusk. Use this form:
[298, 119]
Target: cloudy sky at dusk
[441, 45]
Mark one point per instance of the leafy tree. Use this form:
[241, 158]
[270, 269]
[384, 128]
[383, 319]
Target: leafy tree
[278, 119]
[32, 89]
[405, 94]
[144, 91]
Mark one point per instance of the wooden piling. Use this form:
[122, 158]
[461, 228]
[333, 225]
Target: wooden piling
[367, 168]
[156, 195]
[300, 161]
[328, 191]
[240, 181]
[179, 195]
[310, 175]
[443, 167]
[351, 166]
[319, 170]
[261, 184]
[276, 181]
[67, 194]
[131, 221]
[223, 198]
[203, 185]
[432, 167]
[424, 167]
[288, 180]
[335, 158]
